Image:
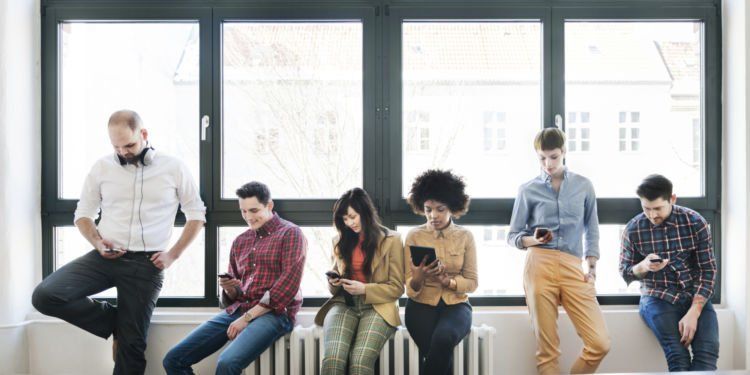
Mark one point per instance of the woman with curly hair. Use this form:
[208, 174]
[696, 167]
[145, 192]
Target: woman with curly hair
[438, 314]
[366, 283]
[551, 215]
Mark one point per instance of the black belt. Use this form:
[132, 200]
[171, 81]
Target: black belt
[141, 253]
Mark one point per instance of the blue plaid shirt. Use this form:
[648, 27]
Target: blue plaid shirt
[685, 239]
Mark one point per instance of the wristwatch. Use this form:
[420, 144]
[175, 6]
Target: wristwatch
[248, 317]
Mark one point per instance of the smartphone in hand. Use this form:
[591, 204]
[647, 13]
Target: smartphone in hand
[333, 275]
[541, 232]
[225, 276]
[656, 260]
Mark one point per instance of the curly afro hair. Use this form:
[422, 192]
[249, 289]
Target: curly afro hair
[441, 186]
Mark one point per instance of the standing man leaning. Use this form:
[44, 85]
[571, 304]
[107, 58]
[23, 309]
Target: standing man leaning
[668, 248]
[137, 191]
[260, 290]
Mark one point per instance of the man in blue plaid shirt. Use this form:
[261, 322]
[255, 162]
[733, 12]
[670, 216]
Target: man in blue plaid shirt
[669, 249]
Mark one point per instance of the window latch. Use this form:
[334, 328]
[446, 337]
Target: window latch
[205, 122]
[558, 121]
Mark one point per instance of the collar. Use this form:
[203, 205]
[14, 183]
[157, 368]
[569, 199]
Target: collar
[270, 226]
[545, 177]
[441, 233]
[672, 218]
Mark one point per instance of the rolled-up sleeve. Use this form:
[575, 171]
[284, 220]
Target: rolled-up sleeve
[286, 287]
[91, 196]
[467, 281]
[519, 220]
[591, 224]
[704, 259]
[187, 193]
[629, 257]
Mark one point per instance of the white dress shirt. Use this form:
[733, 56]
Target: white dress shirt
[138, 203]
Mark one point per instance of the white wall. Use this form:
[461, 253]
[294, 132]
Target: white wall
[64, 346]
[20, 174]
[735, 156]
[56, 347]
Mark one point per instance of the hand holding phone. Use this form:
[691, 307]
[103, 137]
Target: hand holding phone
[542, 235]
[225, 276]
[334, 278]
[653, 263]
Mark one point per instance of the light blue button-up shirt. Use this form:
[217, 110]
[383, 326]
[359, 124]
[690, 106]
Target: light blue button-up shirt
[570, 214]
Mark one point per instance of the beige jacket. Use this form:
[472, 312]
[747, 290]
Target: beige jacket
[386, 281]
[455, 248]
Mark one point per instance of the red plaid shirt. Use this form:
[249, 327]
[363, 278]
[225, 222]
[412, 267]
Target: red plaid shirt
[269, 263]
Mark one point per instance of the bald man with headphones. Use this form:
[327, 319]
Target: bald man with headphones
[137, 191]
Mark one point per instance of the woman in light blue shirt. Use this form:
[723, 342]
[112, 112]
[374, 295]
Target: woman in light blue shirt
[552, 216]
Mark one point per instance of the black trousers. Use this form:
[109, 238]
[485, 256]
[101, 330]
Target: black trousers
[65, 294]
[437, 330]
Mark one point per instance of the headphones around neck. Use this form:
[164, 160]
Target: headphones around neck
[144, 157]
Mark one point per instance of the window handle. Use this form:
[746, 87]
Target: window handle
[558, 121]
[205, 123]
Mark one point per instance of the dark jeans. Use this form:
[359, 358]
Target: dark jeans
[437, 330]
[65, 294]
[210, 336]
[663, 318]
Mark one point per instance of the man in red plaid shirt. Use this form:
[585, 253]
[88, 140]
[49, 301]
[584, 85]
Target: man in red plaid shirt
[260, 291]
[668, 248]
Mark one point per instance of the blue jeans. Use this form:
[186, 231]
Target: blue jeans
[663, 318]
[210, 336]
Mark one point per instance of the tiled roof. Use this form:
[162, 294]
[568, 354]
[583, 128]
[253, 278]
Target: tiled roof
[488, 51]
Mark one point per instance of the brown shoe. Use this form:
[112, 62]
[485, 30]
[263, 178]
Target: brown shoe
[114, 350]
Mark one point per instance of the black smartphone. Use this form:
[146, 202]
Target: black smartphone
[656, 260]
[225, 276]
[112, 251]
[333, 275]
[541, 232]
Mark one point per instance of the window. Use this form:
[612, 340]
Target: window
[494, 131]
[644, 79]
[109, 66]
[578, 131]
[629, 131]
[316, 99]
[326, 134]
[418, 131]
[305, 78]
[454, 71]
[266, 140]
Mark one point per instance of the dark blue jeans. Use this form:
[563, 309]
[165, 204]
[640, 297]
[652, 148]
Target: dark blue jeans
[210, 336]
[663, 318]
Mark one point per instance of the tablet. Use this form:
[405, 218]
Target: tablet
[419, 252]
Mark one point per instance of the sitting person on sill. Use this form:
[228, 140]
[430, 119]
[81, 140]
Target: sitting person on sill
[260, 291]
[668, 248]
[438, 314]
[366, 281]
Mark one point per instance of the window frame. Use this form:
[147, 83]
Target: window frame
[382, 112]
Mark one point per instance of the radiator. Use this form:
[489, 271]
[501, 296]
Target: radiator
[301, 352]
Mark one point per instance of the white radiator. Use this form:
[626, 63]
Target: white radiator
[301, 353]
